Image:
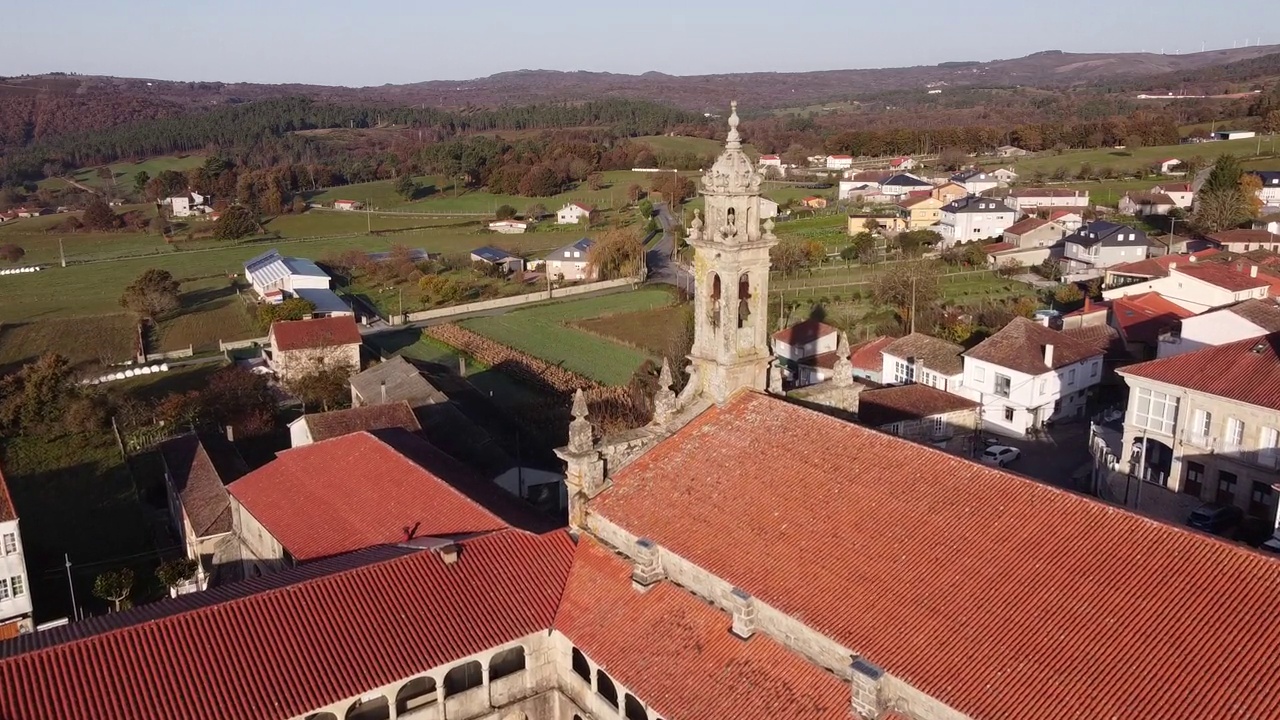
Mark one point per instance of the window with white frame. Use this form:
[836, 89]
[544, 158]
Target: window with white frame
[1093, 369]
[1008, 414]
[1269, 443]
[903, 372]
[10, 543]
[1071, 376]
[1235, 432]
[1155, 410]
[939, 425]
[4, 589]
[894, 428]
[19, 589]
[1044, 386]
[1003, 385]
[1201, 421]
[979, 374]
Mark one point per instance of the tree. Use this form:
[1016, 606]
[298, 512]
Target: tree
[617, 253]
[11, 253]
[175, 572]
[36, 399]
[1218, 211]
[113, 586]
[292, 309]
[153, 294]
[158, 226]
[405, 187]
[1224, 177]
[906, 285]
[1271, 123]
[871, 225]
[849, 253]
[952, 158]
[1251, 187]
[236, 222]
[326, 385]
[915, 242]
[635, 193]
[675, 189]
[140, 180]
[535, 212]
[237, 398]
[504, 212]
[1010, 267]
[595, 181]
[1068, 294]
[98, 216]
[541, 181]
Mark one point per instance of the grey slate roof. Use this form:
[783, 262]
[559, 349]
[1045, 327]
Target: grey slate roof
[931, 352]
[566, 252]
[976, 204]
[1108, 234]
[968, 175]
[199, 469]
[488, 253]
[904, 180]
[404, 383]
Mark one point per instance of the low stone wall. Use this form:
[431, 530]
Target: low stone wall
[172, 354]
[240, 344]
[517, 300]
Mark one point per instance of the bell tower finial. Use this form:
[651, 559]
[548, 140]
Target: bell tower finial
[733, 139]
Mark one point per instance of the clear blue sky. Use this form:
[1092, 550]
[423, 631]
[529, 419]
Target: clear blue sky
[393, 41]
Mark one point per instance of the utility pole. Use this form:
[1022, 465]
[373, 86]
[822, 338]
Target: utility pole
[75, 611]
[62, 253]
[913, 304]
[368, 217]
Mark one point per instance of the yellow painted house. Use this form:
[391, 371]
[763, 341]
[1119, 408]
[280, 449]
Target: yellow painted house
[921, 212]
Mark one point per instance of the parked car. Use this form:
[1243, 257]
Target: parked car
[1216, 519]
[1000, 455]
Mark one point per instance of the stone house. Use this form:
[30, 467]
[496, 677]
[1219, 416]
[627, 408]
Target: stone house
[1026, 374]
[923, 359]
[299, 347]
[921, 413]
[15, 587]
[1212, 435]
[197, 469]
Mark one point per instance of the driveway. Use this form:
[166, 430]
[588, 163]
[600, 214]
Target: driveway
[1057, 459]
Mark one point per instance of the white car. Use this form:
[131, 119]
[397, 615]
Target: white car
[1000, 455]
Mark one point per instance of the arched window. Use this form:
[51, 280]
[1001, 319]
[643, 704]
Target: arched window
[633, 709]
[463, 678]
[377, 709]
[715, 286]
[507, 662]
[605, 687]
[416, 693]
[744, 298]
[581, 666]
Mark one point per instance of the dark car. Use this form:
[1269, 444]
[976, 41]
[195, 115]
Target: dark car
[1216, 519]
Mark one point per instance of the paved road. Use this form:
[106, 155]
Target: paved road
[662, 266]
[1056, 459]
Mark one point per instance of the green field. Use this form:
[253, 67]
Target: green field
[1134, 158]
[123, 172]
[86, 342]
[542, 332]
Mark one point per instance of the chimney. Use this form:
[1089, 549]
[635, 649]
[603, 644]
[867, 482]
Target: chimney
[1253, 271]
[383, 388]
[647, 570]
[231, 434]
[744, 613]
[448, 553]
[1048, 355]
[864, 681]
[1088, 304]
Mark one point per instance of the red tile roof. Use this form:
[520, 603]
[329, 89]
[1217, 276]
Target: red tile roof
[1247, 371]
[320, 332]
[199, 469]
[1059, 214]
[1026, 226]
[1020, 346]
[1000, 596]
[869, 355]
[881, 406]
[357, 491]
[1242, 237]
[369, 417]
[1046, 192]
[1223, 276]
[1263, 313]
[1159, 266]
[7, 509]
[624, 632]
[255, 657]
[803, 332]
[1174, 187]
[1142, 318]
[998, 247]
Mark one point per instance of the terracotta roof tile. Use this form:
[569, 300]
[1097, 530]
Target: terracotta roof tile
[1020, 346]
[998, 595]
[881, 406]
[337, 423]
[199, 469]
[804, 332]
[1263, 313]
[320, 332]
[357, 491]
[998, 247]
[1247, 371]
[1026, 226]
[1045, 192]
[1242, 237]
[255, 657]
[624, 631]
[7, 509]
[1223, 275]
[935, 354]
[1142, 318]
[1104, 339]
[869, 355]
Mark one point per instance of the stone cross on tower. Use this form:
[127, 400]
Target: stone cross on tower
[731, 269]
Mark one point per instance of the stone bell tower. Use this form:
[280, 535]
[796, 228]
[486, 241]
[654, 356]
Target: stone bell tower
[731, 270]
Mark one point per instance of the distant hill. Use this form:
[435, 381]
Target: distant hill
[704, 93]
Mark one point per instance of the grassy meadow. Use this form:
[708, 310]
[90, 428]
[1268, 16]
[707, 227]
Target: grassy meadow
[1134, 158]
